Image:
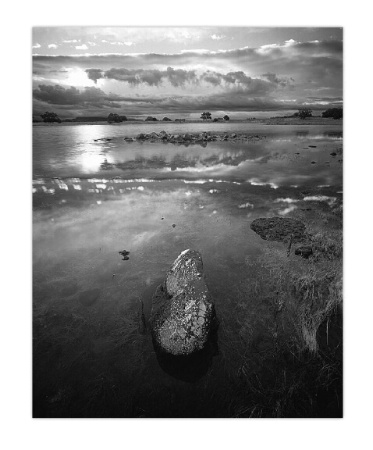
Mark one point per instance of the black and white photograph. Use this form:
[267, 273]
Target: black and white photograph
[187, 222]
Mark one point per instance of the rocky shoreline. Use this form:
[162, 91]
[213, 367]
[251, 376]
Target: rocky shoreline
[193, 138]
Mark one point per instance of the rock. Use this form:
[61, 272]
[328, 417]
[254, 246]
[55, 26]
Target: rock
[182, 311]
[125, 254]
[312, 146]
[141, 136]
[234, 135]
[304, 252]
[333, 154]
[313, 162]
[279, 229]
[173, 225]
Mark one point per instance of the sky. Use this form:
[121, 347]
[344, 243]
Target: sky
[183, 71]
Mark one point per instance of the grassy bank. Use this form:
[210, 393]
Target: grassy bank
[289, 358]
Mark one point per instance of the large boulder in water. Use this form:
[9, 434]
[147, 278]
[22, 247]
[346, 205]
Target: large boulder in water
[182, 309]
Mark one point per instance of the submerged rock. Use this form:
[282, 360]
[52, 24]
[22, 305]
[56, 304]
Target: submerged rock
[304, 252]
[124, 254]
[279, 229]
[182, 309]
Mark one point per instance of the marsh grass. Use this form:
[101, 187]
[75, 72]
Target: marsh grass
[290, 318]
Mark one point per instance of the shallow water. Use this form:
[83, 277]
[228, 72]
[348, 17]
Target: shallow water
[93, 199]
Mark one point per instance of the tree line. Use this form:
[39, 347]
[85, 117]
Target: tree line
[334, 113]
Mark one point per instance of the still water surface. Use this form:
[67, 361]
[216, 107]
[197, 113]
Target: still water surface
[95, 198]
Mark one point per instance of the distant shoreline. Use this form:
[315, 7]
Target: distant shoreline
[269, 121]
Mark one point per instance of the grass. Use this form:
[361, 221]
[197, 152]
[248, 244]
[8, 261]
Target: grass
[290, 320]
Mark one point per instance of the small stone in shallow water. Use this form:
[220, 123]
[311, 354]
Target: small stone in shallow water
[173, 225]
[124, 254]
[304, 252]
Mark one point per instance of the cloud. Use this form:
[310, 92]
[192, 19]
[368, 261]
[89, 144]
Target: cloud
[128, 43]
[94, 74]
[36, 45]
[152, 77]
[311, 64]
[273, 78]
[81, 47]
[287, 75]
[89, 96]
[216, 37]
[179, 77]
[52, 46]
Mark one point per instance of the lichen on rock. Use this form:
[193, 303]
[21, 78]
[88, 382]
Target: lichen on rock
[182, 310]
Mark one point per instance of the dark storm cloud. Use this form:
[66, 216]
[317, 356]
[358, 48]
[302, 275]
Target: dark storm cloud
[94, 74]
[179, 77]
[89, 96]
[251, 85]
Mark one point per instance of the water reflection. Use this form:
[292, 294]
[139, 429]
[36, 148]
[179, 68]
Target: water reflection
[93, 199]
[76, 151]
[190, 368]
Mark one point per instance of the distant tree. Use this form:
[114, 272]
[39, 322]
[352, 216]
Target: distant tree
[335, 113]
[304, 113]
[166, 119]
[114, 118]
[226, 117]
[150, 118]
[50, 117]
[206, 116]
[216, 119]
